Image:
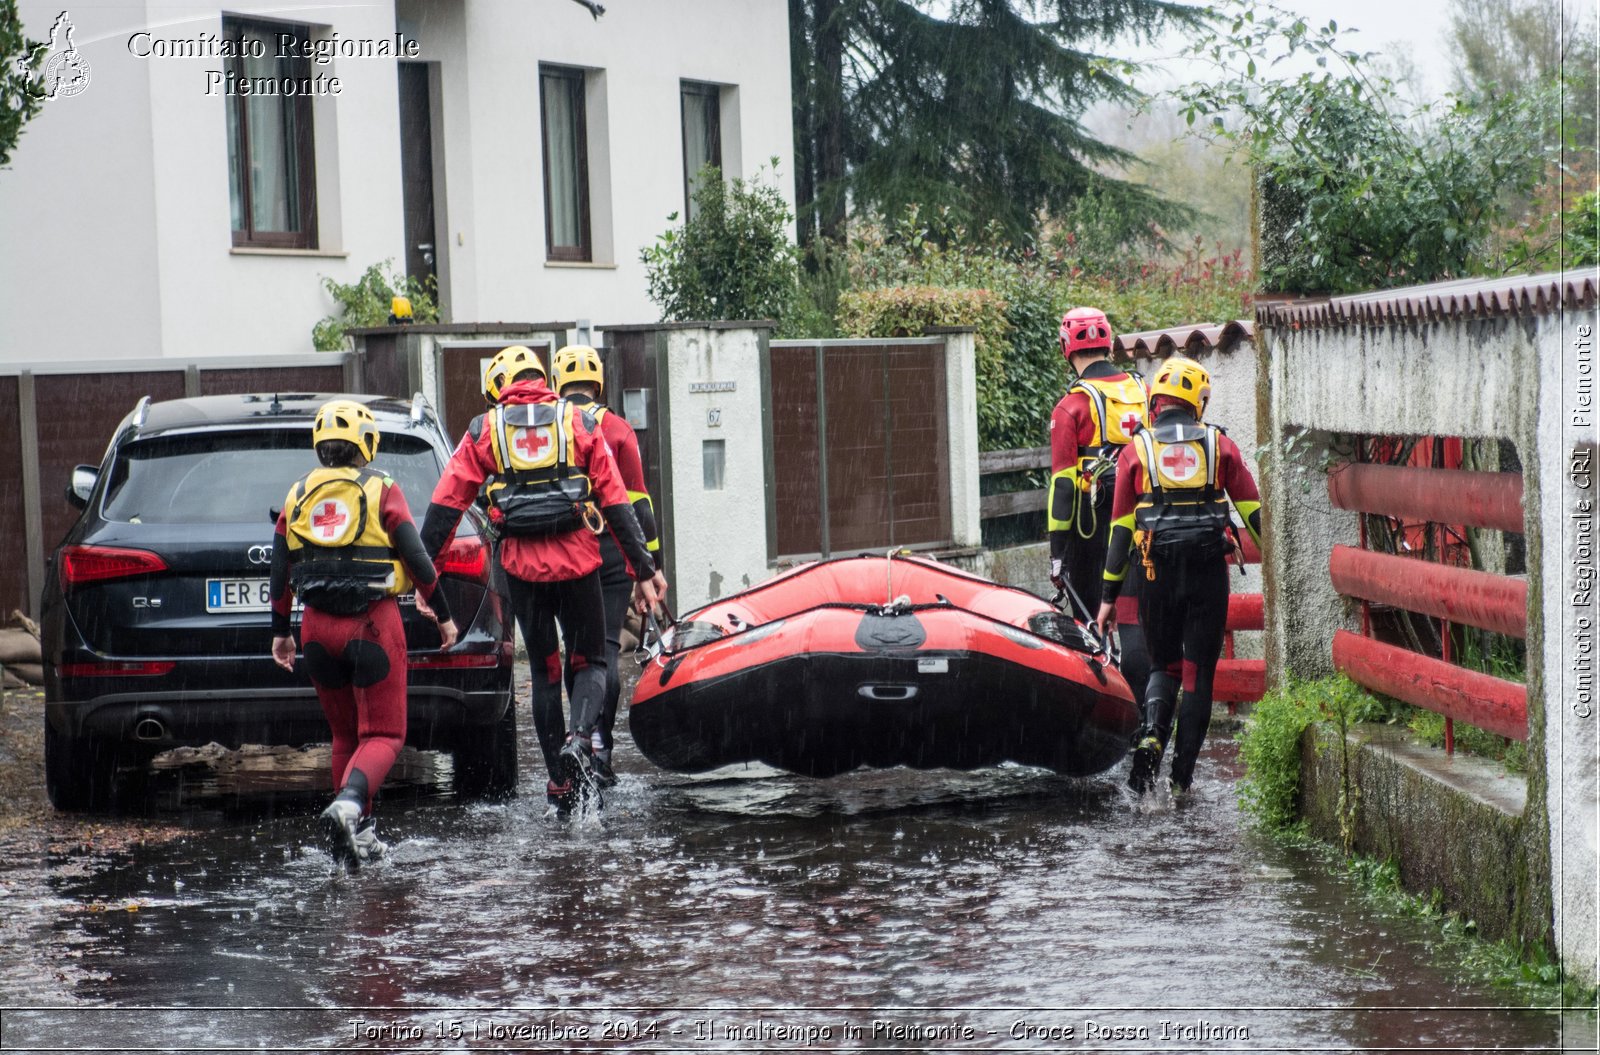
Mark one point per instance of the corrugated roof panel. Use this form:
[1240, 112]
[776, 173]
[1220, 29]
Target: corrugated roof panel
[1457, 299]
[1193, 339]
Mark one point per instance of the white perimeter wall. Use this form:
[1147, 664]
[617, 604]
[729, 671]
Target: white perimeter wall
[1502, 377]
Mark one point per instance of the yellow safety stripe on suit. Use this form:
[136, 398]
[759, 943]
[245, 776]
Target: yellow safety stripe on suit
[653, 543]
[1250, 513]
[1120, 546]
[1061, 501]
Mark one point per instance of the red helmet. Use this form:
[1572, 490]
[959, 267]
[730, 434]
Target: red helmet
[1085, 330]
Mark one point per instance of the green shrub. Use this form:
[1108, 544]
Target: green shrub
[1270, 743]
[1037, 287]
[367, 302]
[1270, 747]
[733, 260]
[1581, 230]
[1360, 189]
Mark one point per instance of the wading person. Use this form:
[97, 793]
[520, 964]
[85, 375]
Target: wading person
[347, 546]
[1091, 425]
[580, 378]
[555, 489]
[1171, 523]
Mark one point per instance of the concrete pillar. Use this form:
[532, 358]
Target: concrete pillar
[1563, 620]
[710, 391]
[961, 396]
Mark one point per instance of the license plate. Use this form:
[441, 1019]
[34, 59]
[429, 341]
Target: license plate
[254, 595]
[238, 595]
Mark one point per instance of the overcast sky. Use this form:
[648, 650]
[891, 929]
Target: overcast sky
[1419, 29]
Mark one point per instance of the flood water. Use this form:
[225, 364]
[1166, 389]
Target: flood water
[749, 910]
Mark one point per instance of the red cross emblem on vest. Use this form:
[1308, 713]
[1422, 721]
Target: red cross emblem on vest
[1130, 421]
[1179, 463]
[328, 519]
[532, 443]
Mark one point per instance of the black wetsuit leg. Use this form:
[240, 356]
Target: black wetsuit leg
[580, 609]
[1135, 660]
[1205, 627]
[1184, 612]
[577, 607]
[616, 588]
[1084, 562]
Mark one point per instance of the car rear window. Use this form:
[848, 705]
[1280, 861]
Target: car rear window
[242, 477]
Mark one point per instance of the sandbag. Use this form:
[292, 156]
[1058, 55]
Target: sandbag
[19, 646]
[32, 673]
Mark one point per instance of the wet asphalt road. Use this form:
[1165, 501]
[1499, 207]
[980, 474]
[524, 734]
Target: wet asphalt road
[748, 910]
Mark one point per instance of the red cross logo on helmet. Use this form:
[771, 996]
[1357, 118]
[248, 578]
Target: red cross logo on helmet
[531, 442]
[1179, 463]
[328, 518]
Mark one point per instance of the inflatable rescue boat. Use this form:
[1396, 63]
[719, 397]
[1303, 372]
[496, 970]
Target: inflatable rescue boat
[880, 661]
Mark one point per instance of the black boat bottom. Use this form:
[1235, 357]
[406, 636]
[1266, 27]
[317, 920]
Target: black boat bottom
[821, 714]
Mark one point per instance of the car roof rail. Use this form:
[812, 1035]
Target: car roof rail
[419, 403]
[140, 411]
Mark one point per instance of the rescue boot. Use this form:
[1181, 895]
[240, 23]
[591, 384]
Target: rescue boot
[1146, 763]
[600, 756]
[558, 799]
[576, 768]
[338, 825]
[369, 847]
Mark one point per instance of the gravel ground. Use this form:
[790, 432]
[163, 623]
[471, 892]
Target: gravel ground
[23, 806]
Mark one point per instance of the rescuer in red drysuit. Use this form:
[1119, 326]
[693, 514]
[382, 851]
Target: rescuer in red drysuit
[579, 376]
[1170, 512]
[553, 478]
[347, 545]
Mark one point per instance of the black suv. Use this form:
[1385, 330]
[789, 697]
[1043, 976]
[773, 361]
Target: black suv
[156, 625]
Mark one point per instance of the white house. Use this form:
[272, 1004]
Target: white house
[200, 169]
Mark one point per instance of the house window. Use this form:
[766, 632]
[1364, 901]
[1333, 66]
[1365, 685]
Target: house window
[271, 178]
[702, 136]
[566, 164]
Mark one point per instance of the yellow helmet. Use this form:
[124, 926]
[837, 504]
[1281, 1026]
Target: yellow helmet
[508, 365]
[1183, 379]
[578, 362]
[345, 419]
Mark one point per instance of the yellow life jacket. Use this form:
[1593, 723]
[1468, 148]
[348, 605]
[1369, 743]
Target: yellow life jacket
[341, 559]
[1118, 409]
[538, 491]
[1183, 512]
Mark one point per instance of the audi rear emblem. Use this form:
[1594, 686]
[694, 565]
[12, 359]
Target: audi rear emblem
[259, 554]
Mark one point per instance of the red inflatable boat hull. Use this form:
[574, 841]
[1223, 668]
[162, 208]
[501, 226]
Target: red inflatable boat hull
[817, 672]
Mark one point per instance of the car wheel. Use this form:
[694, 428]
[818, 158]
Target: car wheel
[80, 773]
[486, 765]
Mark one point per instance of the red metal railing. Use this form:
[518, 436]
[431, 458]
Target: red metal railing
[1451, 594]
[1241, 680]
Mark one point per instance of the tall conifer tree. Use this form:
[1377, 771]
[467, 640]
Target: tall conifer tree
[969, 104]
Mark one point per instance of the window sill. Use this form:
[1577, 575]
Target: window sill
[251, 250]
[581, 264]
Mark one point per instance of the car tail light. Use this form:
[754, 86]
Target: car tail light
[86, 564]
[466, 557]
[116, 668]
[452, 660]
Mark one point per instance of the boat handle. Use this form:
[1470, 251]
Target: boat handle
[888, 692]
